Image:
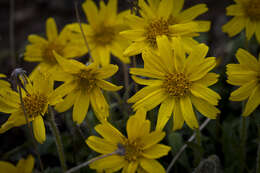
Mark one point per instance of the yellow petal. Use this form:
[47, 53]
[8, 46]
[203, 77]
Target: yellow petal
[165, 50]
[39, 129]
[193, 12]
[152, 139]
[258, 32]
[110, 133]
[104, 56]
[151, 100]
[147, 73]
[234, 26]
[67, 103]
[108, 163]
[101, 145]
[26, 165]
[250, 29]
[135, 48]
[253, 101]
[201, 70]
[183, 29]
[51, 29]
[244, 91]
[135, 22]
[132, 167]
[134, 35]
[209, 79]
[178, 120]
[204, 26]
[62, 90]
[235, 10]
[142, 81]
[247, 59]
[99, 104]
[16, 119]
[187, 112]
[205, 93]
[107, 71]
[112, 8]
[7, 167]
[165, 8]
[91, 11]
[177, 6]
[145, 11]
[80, 108]
[107, 85]
[143, 93]
[165, 113]
[156, 151]
[205, 108]
[35, 39]
[152, 166]
[135, 127]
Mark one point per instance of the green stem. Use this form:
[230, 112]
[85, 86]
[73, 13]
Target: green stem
[56, 133]
[243, 142]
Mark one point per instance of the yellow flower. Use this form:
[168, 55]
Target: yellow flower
[23, 166]
[102, 32]
[41, 50]
[246, 14]
[83, 87]
[39, 95]
[164, 18]
[141, 148]
[178, 84]
[246, 75]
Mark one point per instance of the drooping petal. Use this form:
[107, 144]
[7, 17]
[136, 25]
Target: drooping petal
[165, 113]
[205, 108]
[99, 104]
[81, 105]
[253, 101]
[188, 113]
[152, 166]
[39, 129]
[178, 119]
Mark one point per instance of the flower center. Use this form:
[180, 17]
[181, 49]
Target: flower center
[34, 104]
[133, 150]
[176, 84]
[252, 9]
[87, 79]
[48, 52]
[104, 35]
[156, 28]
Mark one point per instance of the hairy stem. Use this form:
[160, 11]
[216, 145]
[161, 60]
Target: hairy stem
[56, 134]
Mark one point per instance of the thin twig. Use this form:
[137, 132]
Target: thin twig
[81, 30]
[11, 33]
[90, 161]
[204, 124]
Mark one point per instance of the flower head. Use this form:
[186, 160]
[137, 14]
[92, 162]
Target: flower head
[141, 147]
[246, 14]
[41, 49]
[166, 18]
[246, 75]
[177, 83]
[102, 32]
[36, 98]
[23, 166]
[83, 87]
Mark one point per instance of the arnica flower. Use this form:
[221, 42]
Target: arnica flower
[38, 95]
[102, 32]
[166, 18]
[41, 49]
[246, 14]
[141, 147]
[246, 75]
[23, 166]
[177, 83]
[83, 87]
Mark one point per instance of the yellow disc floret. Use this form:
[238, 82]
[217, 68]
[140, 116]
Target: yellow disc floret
[176, 84]
[156, 28]
[133, 150]
[34, 104]
[87, 79]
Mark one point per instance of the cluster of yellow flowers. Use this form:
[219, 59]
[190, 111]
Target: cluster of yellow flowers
[176, 74]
